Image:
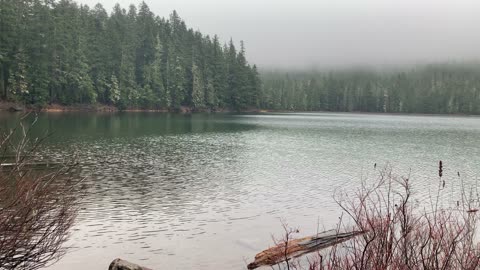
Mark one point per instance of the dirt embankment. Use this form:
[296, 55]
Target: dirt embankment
[78, 108]
[17, 107]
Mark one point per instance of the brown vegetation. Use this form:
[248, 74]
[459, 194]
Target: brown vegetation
[401, 233]
[37, 207]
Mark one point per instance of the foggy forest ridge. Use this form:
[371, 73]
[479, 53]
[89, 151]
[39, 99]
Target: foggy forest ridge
[67, 53]
[332, 34]
[373, 68]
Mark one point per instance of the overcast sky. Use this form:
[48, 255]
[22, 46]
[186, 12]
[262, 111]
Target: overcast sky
[326, 33]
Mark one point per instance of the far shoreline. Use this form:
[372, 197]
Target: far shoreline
[101, 108]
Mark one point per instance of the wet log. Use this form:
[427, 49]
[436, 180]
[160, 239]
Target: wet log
[16, 108]
[119, 264]
[31, 165]
[298, 247]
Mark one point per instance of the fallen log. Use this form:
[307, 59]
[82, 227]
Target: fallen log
[31, 165]
[119, 264]
[16, 108]
[298, 247]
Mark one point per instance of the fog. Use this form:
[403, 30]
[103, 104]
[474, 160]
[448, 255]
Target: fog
[325, 33]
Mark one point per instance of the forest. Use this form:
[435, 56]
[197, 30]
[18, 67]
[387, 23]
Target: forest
[61, 52]
[65, 53]
[448, 88]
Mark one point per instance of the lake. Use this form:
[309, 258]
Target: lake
[207, 191]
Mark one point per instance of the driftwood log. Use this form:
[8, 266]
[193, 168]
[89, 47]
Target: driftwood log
[31, 165]
[119, 264]
[298, 247]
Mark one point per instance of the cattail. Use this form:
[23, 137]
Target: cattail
[440, 169]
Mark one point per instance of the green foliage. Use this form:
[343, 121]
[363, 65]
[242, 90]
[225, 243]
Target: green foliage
[18, 77]
[63, 52]
[114, 90]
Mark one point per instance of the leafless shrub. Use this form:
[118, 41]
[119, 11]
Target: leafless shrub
[402, 233]
[37, 207]
[284, 244]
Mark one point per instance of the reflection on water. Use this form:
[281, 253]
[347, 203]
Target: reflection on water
[110, 125]
[207, 191]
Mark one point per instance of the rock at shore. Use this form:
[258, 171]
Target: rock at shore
[119, 264]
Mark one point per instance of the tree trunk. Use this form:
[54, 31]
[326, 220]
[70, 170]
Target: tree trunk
[298, 247]
[3, 84]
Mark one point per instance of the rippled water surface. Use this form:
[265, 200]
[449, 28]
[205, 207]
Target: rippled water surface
[207, 191]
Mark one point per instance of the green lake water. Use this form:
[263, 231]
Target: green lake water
[207, 191]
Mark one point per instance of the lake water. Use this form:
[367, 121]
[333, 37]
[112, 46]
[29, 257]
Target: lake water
[207, 191]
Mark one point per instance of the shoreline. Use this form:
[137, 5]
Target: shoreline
[6, 106]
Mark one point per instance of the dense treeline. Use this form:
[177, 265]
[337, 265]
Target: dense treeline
[62, 52]
[57, 51]
[440, 88]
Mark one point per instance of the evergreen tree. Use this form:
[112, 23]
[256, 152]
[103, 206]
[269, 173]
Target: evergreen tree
[18, 76]
[114, 90]
[198, 91]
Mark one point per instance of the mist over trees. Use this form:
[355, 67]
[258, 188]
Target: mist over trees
[62, 52]
[439, 88]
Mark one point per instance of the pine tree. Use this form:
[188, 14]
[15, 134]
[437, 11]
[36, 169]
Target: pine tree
[18, 76]
[114, 90]
[232, 96]
[198, 92]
